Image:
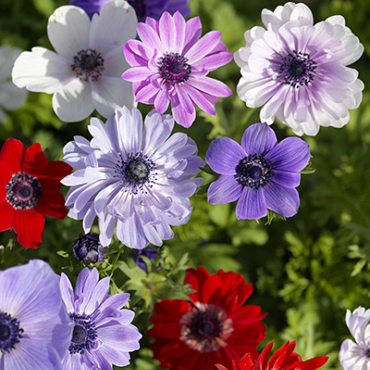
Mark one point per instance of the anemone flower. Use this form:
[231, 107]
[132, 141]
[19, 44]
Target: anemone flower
[260, 173]
[170, 63]
[35, 329]
[102, 331]
[84, 73]
[139, 178]
[297, 70]
[212, 327]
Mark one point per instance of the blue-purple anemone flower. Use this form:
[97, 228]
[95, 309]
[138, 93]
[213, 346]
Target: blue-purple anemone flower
[102, 334]
[35, 329]
[260, 173]
[143, 8]
[138, 177]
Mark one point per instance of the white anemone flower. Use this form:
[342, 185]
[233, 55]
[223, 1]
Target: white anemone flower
[356, 355]
[11, 96]
[85, 72]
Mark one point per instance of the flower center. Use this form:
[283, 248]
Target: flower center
[205, 327]
[84, 334]
[253, 171]
[10, 332]
[23, 191]
[298, 69]
[135, 172]
[139, 6]
[88, 64]
[173, 68]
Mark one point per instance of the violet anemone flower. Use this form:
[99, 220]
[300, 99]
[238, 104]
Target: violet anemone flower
[138, 177]
[84, 73]
[35, 329]
[297, 70]
[171, 63]
[143, 8]
[356, 355]
[102, 334]
[260, 173]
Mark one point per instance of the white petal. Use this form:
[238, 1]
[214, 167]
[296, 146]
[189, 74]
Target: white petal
[113, 27]
[7, 59]
[68, 30]
[74, 101]
[11, 96]
[110, 93]
[42, 71]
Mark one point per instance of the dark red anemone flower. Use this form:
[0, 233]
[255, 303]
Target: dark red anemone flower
[29, 190]
[213, 327]
[283, 359]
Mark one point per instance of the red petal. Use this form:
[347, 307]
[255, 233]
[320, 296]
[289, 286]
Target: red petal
[172, 307]
[54, 172]
[284, 356]
[263, 357]
[29, 224]
[212, 289]
[6, 215]
[34, 160]
[248, 314]
[12, 155]
[189, 361]
[168, 331]
[196, 279]
[51, 203]
[312, 364]
[174, 349]
[5, 177]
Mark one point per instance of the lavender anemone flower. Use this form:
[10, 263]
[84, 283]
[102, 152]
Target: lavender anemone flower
[355, 355]
[35, 329]
[260, 173]
[102, 334]
[85, 72]
[171, 63]
[297, 70]
[143, 8]
[139, 178]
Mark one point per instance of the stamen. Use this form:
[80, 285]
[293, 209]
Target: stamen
[84, 334]
[10, 332]
[88, 64]
[174, 68]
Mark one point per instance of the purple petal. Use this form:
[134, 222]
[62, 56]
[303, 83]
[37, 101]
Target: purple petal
[214, 61]
[224, 190]
[180, 34]
[258, 139]
[210, 86]
[199, 99]
[148, 36]
[167, 31]
[161, 101]
[67, 292]
[290, 155]
[251, 205]
[203, 46]
[223, 155]
[137, 74]
[181, 115]
[137, 54]
[192, 33]
[287, 179]
[282, 200]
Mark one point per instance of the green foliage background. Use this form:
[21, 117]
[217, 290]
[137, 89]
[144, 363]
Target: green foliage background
[306, 270]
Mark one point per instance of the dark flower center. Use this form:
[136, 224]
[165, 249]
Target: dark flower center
[140, 9]
[135, 172]
[253, 171]
[23, 191]
[88, 64]
[367, 352]
[84, 334]
[298, 69]
[174, 68]
[205, 326]
[10, 332]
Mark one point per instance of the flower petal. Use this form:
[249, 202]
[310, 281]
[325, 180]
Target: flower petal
[224, 190]
[251, 204]
[259, 138]
[34, 161]
[11, 154]
[51, 203]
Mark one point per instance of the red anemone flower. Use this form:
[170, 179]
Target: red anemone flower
[213, 327]
[29, 190]
[283, 359]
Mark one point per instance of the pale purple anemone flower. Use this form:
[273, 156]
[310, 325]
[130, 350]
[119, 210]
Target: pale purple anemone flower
[260, 173]
[138, 177]
[102, 333]
[143, 8]
[356, 355]
[297, 70]
[35, 329]
[85, 72]
[171, 63]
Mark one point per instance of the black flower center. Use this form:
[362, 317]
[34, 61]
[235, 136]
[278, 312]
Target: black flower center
[140, 9]
[84, 334]
[174, 68]
[205, 326]
[298, 69]
[135, 172]
[88, 64]
[253, 171]
[23, 191]
[10, 332]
